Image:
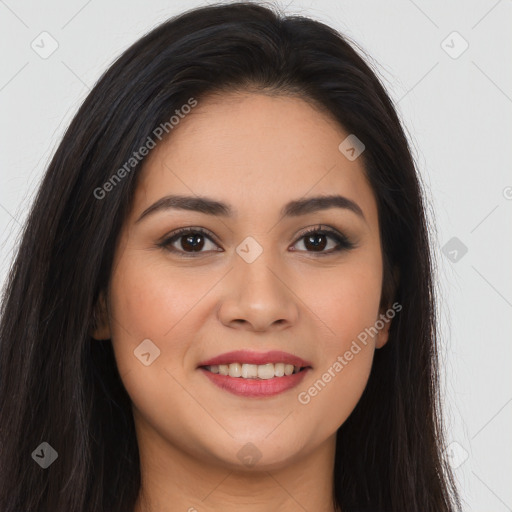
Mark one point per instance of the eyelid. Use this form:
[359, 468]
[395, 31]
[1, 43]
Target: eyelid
[186, 230]
[319, 227]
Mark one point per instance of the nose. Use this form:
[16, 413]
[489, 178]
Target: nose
[258, 297]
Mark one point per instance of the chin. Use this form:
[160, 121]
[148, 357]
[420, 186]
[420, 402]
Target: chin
[259, 452]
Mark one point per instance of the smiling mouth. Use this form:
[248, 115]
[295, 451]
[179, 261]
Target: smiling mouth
[254, 371]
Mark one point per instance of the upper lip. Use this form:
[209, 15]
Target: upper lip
[259, 358]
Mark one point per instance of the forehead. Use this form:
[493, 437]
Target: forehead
[254, 151]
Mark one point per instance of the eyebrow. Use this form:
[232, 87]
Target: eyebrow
[212, 207]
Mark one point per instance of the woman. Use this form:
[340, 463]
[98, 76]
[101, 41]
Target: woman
[223, 294]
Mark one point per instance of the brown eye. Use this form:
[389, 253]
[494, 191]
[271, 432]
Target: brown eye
[316, 240]
[193, 242]
[188, 241]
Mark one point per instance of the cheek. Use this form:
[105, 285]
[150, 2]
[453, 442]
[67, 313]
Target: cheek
[149, 298]
[150, 302]
[335, 389]
[346, 302]
[146, 305]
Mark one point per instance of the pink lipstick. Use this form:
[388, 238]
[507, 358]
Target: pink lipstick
[255, 374]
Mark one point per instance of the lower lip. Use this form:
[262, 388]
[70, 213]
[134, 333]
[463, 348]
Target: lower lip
[256, 387]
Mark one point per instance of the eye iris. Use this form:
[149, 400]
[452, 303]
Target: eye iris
[189, 243]
[315, 244]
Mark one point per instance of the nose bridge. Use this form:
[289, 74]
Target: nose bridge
[256, 267]
[258, 294]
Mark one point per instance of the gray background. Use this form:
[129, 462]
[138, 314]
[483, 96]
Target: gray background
[457, 112]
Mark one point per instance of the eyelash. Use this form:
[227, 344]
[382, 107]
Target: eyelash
[343, 243]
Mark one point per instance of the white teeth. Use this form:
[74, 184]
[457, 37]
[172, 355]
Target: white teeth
[279, 369]
[254, 371]
[266, 371]
[235, 370]
[249, 371]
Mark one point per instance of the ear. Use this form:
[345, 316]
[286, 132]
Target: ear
[383, 334]
[100, 325]
[387, 312]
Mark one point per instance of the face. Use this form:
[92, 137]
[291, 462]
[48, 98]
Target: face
[250, 289]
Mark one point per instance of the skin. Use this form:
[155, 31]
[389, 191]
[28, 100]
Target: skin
[256, 153]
